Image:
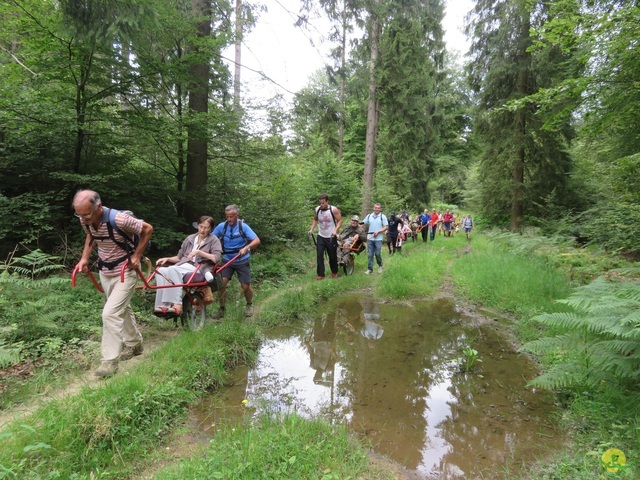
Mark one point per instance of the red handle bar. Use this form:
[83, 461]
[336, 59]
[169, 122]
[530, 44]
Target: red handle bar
[145, 281]
[93, 279]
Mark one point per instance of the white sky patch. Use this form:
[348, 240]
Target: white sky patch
[289, 55]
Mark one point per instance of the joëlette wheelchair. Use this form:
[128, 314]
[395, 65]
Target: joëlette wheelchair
[194, 286]
[349, 255]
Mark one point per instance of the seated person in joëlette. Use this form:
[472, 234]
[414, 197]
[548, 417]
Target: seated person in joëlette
[199, 248]
[350, 237]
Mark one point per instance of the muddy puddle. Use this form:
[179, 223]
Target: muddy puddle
[391, 372]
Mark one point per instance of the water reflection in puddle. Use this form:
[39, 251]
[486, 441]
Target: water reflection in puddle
[390, 372]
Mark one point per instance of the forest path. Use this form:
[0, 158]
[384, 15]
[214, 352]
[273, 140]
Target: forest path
[86, 378]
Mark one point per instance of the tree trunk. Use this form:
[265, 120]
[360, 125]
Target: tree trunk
[197, 130]
[372, 119]
[238, 56]
[81, 112]
[524, 59]
[343, 61]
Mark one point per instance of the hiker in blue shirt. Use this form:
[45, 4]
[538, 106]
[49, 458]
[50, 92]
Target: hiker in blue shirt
[377, 224]
[425, 219]
[237, 238]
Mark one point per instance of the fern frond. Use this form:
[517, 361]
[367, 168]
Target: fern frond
[34, 264]
[631, 272]
[559, 376]
[621, 347]
[9, 355]
[558, 345]
[631, 291]
[631, 319]
[563, 320]
[27, 282]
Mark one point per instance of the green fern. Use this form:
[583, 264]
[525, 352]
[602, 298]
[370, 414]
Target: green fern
[9, 354]
[36, 264]
[599, 341]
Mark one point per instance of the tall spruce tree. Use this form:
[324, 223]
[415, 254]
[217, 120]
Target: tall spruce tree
[525, 160]
[412, 79]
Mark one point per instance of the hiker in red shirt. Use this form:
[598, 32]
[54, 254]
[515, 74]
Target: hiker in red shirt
[446, 220]
[433, 225]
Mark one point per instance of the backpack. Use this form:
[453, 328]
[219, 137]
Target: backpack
[240, 231]
[128, 243]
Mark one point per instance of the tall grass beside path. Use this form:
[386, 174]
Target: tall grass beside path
[498, 277]
[418, 272]
[99, 432]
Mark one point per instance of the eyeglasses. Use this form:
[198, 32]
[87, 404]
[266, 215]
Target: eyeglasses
[84, 215]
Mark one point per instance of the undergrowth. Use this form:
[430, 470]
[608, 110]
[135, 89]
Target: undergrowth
[97, 433]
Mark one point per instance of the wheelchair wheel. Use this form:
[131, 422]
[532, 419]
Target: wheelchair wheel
[194, 312]
[350, 265]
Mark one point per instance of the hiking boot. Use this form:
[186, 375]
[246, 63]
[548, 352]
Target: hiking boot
[129, 352]
[334, 275]
[368, 272]
[248, 311]
[320, 277]
[218, 314]
[107, 369]
[380, 269]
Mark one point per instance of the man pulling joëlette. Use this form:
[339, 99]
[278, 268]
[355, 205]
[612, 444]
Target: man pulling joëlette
[118, 321]
[237, 238]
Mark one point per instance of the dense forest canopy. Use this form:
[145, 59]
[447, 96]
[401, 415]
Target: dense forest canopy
[132, 99]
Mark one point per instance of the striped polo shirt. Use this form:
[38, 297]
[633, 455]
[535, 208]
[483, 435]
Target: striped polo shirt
[108, 250]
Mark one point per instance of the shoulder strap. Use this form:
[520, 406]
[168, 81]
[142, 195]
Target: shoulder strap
[240, 231]
[224, 232]
[332, 215]
[109, 217]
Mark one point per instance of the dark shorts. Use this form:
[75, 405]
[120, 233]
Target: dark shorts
[447, 226]
[243, 269]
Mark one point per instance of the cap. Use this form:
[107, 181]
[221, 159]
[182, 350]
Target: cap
[356, 218]
[392, 213]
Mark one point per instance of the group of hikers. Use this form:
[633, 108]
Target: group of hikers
[374, 230]
[121, 237]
